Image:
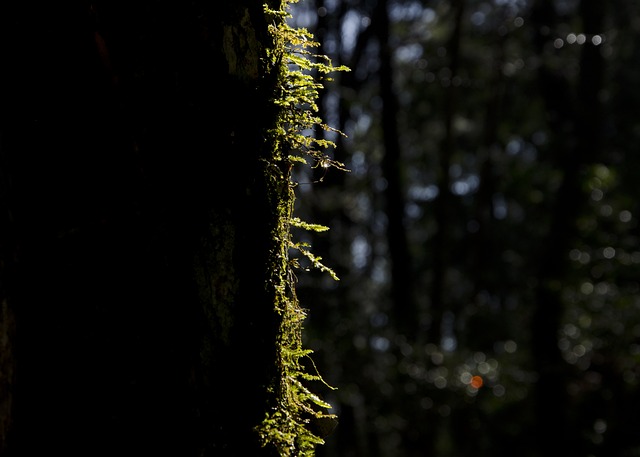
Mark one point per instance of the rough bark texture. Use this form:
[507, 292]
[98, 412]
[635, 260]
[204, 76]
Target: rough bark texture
[138, 229]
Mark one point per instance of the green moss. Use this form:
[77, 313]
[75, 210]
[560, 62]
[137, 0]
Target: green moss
[287, 425]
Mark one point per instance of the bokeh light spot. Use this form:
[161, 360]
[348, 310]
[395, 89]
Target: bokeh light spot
[510, 346]
[476, 382]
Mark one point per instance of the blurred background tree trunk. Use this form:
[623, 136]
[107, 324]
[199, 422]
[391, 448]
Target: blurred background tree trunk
[578, 123]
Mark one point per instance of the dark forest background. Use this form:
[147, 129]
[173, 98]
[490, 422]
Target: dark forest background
[486, 235]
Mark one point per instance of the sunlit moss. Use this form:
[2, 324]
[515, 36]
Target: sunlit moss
[294, 409]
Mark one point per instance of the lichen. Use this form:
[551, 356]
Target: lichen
[241, 48]
[217, 285]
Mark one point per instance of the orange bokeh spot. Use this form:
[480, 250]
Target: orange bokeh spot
[476, 382]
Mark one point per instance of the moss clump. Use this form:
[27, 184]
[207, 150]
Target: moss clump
[287, 426]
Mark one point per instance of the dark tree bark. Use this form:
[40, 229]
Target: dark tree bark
[136, 229]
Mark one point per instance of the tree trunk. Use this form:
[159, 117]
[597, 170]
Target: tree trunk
[405, 312]
[556, 430]
[137, 229]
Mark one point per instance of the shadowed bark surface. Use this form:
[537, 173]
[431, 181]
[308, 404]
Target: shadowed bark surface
[133, 247]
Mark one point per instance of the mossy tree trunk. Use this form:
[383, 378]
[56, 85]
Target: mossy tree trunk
[137, 228]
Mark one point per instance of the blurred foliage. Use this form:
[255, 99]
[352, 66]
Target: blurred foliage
[517, 128]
